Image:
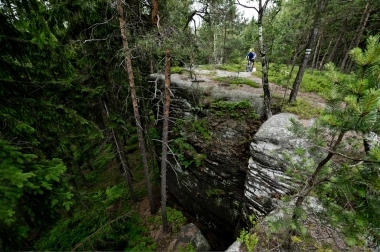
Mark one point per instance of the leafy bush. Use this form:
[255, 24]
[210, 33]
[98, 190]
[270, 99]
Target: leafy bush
[175, 219]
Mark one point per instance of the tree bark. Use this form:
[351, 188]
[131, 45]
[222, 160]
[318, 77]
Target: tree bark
[165, 130]
[265, 82]
[154, 12]
[324, 56]
[316, 52]
[316, 23]
[359, 33]
[124, 164]
[134, 103]
[338, 41]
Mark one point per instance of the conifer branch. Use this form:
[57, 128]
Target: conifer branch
[98, 230]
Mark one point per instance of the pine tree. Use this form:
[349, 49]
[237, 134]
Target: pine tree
[349, 189]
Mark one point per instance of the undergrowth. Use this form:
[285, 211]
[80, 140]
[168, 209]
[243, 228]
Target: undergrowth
[102, 222]
[301, 107]
[237, 81]
[313, 81]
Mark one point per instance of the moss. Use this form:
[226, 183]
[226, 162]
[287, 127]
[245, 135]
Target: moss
[303, 109]
[215, 192]
[237, 81]
[177, 69]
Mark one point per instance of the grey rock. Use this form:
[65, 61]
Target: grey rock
[189, 234]
[266, 180]
[235, 247]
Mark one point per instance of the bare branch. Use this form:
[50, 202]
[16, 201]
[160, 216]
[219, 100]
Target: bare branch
[246, 6]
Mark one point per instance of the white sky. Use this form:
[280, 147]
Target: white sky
[248, 12]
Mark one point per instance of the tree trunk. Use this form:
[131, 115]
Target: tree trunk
[124, 164]
[317, 20]
[154, 12]
[316, 51]
[134, 103]
[165, 130]
[122, 157]
[337, 42]
[265, 82]
[310, 184]
[359, 33]
[324, 56]
[224, 42]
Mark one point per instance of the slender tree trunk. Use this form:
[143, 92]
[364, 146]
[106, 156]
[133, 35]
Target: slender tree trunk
[224, 42]
[324, 56]
[123, 158]
[317, 20]
[214, 49]
[265, 81]
[359, 33]
[316, 51]
[124, 164]
[134, 103]
[267, 113]
[338, 41]
[310, 184]
[318, 56]
[165, 131]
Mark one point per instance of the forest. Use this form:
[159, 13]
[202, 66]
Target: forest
[78, 138]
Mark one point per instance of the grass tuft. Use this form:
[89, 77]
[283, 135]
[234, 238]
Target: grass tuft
[237, 81]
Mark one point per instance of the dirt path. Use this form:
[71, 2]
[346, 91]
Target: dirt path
[206, 76]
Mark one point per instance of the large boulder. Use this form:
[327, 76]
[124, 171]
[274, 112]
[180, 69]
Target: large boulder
[266, 180]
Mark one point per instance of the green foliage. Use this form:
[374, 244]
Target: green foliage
[349, 191]
[185, 152]
[188, 248]
[237, 81]
[102, 222]
[302, 108]
[115, 193]
[177, 70]
[312, 82]
[240, 67]
[90, 229]
[102, 158]
[248, 238]
[215, 192]
[238, 109]
[175, 219]
[31, 190]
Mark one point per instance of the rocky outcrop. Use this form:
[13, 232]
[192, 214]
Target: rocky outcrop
[213, 190]
[266, 180]
[242, 172]
[189, 234]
